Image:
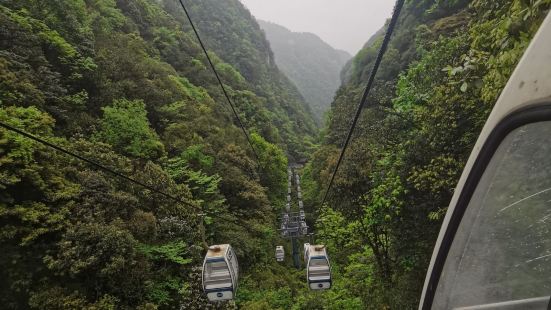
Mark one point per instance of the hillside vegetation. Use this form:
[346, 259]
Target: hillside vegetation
[446, 65]
[124, 83]
[313, 65]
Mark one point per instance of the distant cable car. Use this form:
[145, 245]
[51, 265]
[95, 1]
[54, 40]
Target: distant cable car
[220, 273]
[318, 269]
[289, 198]
[300, 204]
[493, 250]
[303, 227]
[289, 190]
[299, 195]
[279, 253]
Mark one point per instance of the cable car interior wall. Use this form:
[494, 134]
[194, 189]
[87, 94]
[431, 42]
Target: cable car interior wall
[494, 247]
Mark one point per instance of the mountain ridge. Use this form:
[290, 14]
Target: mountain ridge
[312, 64]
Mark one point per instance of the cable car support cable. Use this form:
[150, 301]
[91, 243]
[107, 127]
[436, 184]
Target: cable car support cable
[397, 8]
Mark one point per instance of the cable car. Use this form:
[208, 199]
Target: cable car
[289, 190]
[303, 227]
[318, 269]
[288, 198]
[300, 204]
[220, 273]
[279, 253]
[494, 246]
[299, 195]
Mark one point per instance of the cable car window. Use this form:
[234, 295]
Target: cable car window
[217, 274]
[501, 252]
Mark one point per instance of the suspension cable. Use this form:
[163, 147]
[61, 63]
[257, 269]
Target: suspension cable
[397, 8]
[94, 163]
[230, 102]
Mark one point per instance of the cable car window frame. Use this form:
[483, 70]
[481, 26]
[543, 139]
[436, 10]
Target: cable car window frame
[537, 111]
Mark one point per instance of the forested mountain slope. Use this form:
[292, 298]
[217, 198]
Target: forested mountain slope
[313, 65]
[232, 33]
[123, 83]
[445, 67]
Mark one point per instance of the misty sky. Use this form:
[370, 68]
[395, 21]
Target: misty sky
[344, 24]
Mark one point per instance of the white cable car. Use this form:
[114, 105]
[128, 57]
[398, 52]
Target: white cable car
[299, 195]
[318, 269]
[288, 198]
[279, 253]
[493, 250]
[220, 273]
[300, 204]
[303, 227]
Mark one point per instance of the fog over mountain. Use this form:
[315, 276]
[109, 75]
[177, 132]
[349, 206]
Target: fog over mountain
[312, 64]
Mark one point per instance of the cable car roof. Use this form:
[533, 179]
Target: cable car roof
[217, 250]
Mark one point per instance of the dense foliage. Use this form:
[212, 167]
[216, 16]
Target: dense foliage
[313, 65]
[444, 69]
[125, 84]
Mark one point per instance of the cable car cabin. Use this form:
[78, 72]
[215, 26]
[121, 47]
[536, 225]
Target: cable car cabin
[279, 253]
[494, 246]
[303, 228]
[289, 198]
[318, 269]
[220, 273]
[300, 204]
[299, 195]
[289, 190]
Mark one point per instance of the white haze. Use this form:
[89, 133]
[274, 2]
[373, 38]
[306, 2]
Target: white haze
[344, 24]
